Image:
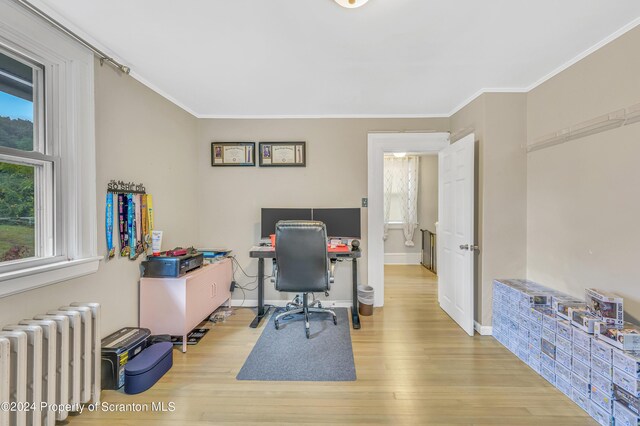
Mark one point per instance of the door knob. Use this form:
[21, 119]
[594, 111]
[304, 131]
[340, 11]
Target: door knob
[470, 247]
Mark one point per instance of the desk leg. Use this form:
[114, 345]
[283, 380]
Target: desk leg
[355, 318]
[184, 344]
[261, 311]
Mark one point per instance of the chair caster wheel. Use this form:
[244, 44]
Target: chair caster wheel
[277, 325]
[307, 332]
[335, 321]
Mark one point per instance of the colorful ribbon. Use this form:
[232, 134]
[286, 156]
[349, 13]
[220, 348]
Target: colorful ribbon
[109, 225]
[123, 218]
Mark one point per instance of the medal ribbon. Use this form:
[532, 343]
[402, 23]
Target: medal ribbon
[138, 221]
[123, 219]
[145, 224]
[109, 225]
[131, 226]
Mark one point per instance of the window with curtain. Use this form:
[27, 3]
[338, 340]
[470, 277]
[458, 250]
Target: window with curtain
[401, 195]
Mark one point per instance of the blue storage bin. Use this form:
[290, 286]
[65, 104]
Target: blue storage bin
[148, 367]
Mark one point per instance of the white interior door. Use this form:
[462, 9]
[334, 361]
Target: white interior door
[455, 231]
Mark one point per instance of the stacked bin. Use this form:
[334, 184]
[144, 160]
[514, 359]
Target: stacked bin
[603, 380]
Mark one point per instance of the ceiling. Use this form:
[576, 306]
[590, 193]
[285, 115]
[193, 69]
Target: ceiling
[259, 58]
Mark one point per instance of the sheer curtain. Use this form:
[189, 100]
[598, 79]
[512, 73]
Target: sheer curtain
[401, 186]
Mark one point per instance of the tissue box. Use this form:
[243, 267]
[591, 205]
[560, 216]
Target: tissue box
[582, 339]
[605, 305]
[627, 362]
[549, 319]
[579, 384]
[625, 398]
[602, 384]
[563, 344]
[581, 354]
[624, 416]
[564, 329]
[600, 415]
[583, 319]
[581, 369]
[563, 372]
[625, 337]
[601, 350]
[549, 335]
[563, 358]
[629, 383]
[603, 400]
[580, 399]
[563, 385]
[548, 348]
[601, 367]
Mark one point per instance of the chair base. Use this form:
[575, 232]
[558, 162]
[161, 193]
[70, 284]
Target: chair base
[295, 307]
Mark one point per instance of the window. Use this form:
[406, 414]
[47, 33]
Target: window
[26, 178]
[47, 154]
[401, 194]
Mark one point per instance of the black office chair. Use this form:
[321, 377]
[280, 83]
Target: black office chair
[302, 266]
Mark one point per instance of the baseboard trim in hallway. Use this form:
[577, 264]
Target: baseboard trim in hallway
[483, 330]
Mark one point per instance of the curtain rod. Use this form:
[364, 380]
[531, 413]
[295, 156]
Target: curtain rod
[101, 55]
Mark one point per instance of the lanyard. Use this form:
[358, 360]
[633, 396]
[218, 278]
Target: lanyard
[109, 225]
[123, 219]
[131, 226]
[145, 223]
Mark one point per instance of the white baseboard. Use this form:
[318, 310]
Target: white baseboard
[402, 258]
[283, 303]
[483, 330]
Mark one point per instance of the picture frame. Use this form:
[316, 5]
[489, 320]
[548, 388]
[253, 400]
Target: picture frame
[233, 154]
[282, 154]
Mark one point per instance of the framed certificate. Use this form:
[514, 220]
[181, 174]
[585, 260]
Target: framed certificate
[233, 153]
[283, 154]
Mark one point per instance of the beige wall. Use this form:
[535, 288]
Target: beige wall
[140, 137]
[499, 123]
[583, 204]
[427, 210]
[428, 195]
[335, 176]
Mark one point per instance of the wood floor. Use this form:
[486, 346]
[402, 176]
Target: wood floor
[414, 367]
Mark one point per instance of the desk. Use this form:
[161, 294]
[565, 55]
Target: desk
[262, 253]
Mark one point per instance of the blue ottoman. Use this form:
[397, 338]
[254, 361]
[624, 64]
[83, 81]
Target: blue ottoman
[148, 367]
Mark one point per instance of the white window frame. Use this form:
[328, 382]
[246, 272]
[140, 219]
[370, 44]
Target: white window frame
[70, 138]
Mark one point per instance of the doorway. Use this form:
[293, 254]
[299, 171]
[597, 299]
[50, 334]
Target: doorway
[380, 144]
[456, 213]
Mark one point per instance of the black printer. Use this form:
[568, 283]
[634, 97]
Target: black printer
[172, 263]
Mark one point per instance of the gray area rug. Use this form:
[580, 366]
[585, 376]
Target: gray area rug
[287, 355]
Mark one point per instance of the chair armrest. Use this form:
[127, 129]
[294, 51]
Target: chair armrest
[332, 270]
[274, 274]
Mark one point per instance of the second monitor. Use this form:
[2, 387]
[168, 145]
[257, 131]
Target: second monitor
[340, 222]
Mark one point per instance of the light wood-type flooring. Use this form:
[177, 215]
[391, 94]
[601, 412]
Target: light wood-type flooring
[415, 366]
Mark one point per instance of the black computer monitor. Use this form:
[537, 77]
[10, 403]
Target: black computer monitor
[270, 217]
[341, 223]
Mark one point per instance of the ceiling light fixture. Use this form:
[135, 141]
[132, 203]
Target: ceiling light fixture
[351, 4]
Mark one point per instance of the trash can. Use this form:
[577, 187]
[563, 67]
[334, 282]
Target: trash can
[365, 300]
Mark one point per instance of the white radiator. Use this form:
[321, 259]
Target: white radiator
[74, 348]
[62, 360]
[52, 359]
[5, 372]
[96, 355]
[49, 361]
[34, 370]
[86, 331]
[17, 374]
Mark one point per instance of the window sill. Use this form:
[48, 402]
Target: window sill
[39, 276]
[395, 225]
